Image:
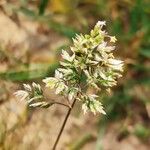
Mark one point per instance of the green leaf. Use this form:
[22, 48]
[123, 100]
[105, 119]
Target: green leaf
[141, 131]
[27, 12]
[42, 6]
[29, 74]
[101, 133]
[145, 52]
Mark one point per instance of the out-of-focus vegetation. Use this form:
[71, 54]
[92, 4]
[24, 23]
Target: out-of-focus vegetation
[48, 26]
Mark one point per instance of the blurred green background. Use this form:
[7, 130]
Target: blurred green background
[32, 34]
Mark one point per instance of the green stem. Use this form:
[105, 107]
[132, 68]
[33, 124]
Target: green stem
[63, 125]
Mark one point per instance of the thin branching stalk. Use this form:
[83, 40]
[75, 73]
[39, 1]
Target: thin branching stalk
[63, 125]
[62, 104]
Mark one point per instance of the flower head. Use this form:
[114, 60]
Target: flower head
[91, 57]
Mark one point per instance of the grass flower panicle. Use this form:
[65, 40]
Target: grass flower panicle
[91, 57]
